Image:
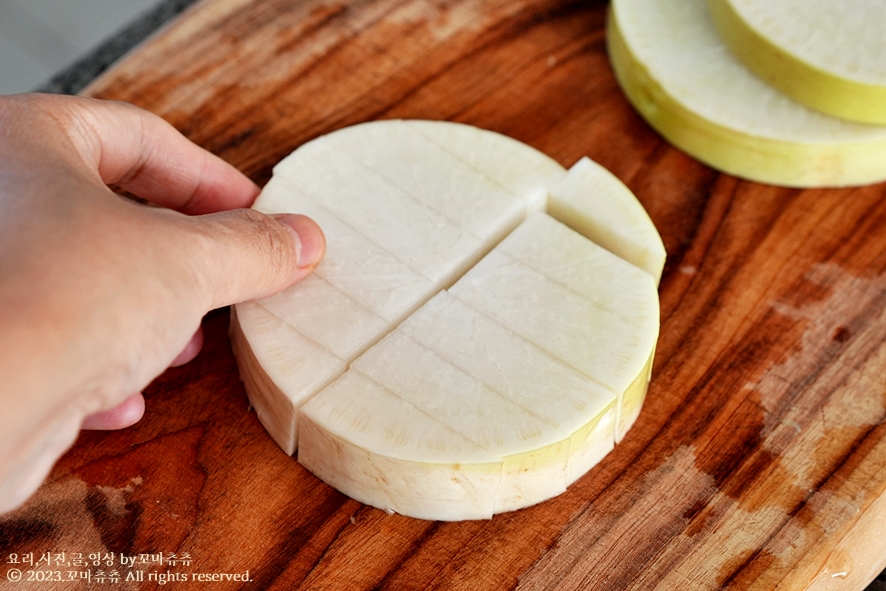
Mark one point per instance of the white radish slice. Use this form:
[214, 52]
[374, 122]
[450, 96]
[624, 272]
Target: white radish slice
[458, 404]
[679, 75]
[828, 55]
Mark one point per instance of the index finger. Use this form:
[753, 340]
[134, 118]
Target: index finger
[148, 157]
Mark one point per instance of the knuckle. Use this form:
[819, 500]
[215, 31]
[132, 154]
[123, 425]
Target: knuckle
[244, 254]
[273, 242]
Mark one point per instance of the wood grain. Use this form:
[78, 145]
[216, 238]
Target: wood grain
[759, 461]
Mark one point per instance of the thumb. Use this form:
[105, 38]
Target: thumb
[243, 254]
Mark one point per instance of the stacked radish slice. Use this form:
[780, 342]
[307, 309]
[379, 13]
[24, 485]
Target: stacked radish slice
[480, 333]
[714, 78]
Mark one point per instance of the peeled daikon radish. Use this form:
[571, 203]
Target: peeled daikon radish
[828, 55]
[488, 382]
[680, 76]
[458, 352]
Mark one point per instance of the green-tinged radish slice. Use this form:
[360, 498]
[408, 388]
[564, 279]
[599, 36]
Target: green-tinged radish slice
[506, 384]
[592, 201]
[458, 352]
[678, 74]
[529, 376]
[632, 399]
[828, 55]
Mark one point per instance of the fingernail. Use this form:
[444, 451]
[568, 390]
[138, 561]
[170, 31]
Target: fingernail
[310, 236]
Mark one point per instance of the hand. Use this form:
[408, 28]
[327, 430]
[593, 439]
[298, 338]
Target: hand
[100, 294]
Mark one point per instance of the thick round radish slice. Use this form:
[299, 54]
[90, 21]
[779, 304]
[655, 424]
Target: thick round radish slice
[680, 76]
[516, 373]
[828, 55]
[458, 352]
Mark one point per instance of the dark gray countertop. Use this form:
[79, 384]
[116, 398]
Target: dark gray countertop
[75, 77]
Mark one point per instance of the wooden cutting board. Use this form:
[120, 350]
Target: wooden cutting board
[759, 461]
